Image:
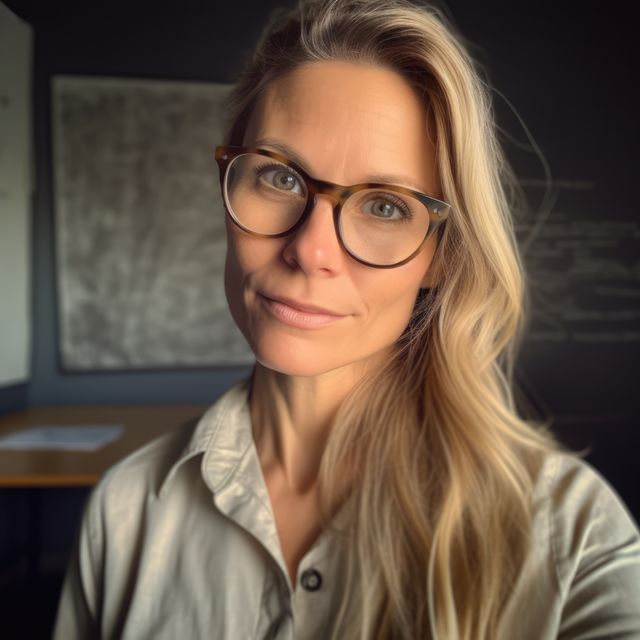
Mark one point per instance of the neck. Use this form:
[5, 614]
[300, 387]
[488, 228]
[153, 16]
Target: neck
[292, 417]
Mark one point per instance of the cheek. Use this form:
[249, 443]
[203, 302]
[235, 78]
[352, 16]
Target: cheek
[389, 306]
[391, 296]
[236, 270]
[245, 257]
[233, 288]
[241, 257]
[246, 253]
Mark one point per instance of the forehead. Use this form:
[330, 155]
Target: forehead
[348, 121]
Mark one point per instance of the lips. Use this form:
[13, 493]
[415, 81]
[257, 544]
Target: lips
[298, 314]
[304, 308]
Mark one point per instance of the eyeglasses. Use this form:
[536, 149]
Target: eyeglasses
[380, 225]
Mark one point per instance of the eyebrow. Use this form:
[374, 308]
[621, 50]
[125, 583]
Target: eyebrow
[387, 178]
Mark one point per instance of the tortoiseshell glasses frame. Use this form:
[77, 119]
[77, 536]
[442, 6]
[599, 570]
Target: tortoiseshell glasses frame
[437, 210]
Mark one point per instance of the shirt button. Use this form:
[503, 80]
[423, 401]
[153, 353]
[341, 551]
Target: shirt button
[311, 580]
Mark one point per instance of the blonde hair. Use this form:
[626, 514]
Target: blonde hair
[442, 466]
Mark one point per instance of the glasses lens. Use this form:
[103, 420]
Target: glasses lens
[383, 227]
[264, 195]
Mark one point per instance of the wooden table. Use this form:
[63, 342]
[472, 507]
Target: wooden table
[43, 469]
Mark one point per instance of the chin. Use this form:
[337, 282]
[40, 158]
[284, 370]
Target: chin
[293, 360]
[306, 357]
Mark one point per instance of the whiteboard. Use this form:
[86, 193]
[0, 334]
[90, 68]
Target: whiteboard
[15, 197]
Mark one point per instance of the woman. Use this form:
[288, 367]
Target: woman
[372, 479]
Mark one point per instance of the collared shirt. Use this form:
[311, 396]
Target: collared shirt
[179, 541]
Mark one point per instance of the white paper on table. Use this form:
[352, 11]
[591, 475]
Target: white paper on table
[81, 437]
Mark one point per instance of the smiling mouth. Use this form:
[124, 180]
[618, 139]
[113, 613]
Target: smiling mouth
[303, 317]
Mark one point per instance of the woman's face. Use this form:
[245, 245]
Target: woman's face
[303, 304]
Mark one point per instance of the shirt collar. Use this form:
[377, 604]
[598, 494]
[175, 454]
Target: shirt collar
[224, 434]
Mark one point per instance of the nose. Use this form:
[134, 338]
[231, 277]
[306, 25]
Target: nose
[314, 247]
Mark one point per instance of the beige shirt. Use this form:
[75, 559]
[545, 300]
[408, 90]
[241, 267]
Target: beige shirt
[179, 541]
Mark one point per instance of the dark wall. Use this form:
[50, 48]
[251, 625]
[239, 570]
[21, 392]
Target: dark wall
[569, 69]
[13, 397]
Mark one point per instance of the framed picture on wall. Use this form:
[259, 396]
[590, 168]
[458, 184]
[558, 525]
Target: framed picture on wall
[140, 229]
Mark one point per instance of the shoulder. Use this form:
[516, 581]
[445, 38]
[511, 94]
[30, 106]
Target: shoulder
[576, 495]
[139, 479]
[119, 503]
[567, 475]
[143, 471]
[594, 548]
[147, 469]
[128, 520]
[580, 505]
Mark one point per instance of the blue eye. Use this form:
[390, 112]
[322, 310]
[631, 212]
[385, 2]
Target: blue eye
[280, 177]
[387, 207]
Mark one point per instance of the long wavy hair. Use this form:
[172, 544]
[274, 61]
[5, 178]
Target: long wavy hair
[441, 466]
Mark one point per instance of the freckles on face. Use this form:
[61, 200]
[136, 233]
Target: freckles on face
[305, 306]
